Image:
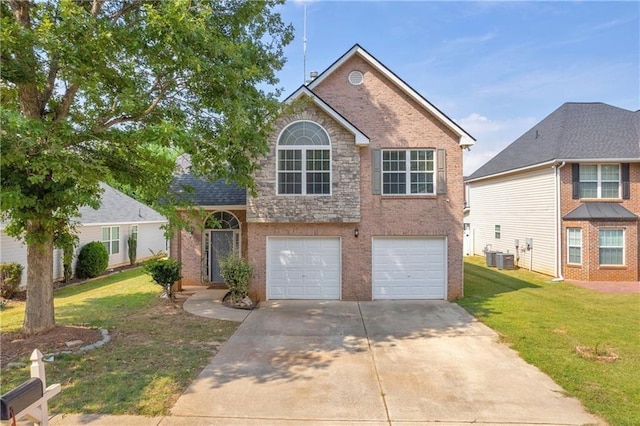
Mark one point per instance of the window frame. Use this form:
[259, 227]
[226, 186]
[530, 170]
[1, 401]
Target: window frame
[408, 172]
[570, 246]
[109, 242]
[306, 154]
[599, 181]
[497, 232]
[621, 247]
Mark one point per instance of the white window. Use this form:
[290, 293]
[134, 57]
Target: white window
[111, 239]
[408, 171]
[574, 246]
[134, 232]
[611, 244]
[496, 232]
[599, 181]
[304, 160]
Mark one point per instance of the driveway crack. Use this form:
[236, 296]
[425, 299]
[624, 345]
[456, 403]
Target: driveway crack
[375, 366]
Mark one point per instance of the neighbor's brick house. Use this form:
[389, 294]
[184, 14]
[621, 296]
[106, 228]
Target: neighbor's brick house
[360, 196]
[572, 185]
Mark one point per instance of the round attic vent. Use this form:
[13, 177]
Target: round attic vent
[356, 78]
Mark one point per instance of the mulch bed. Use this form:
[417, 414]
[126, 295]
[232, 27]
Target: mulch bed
[16, 345]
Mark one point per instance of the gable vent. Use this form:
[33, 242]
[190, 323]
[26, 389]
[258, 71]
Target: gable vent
[356, 78]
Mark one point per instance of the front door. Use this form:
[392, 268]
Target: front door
[221, 245]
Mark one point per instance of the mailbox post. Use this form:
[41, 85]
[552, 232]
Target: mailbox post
[30, 400]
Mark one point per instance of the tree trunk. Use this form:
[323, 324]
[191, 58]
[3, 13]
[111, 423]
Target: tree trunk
[39, 315]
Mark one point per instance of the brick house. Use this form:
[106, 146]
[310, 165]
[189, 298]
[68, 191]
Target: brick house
[360, 196]
[570, 187]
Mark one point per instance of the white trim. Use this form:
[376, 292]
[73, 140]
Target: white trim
[408, 172]
[569, 228]
[624, 246]
[214, 207]
[361, 138]
[513, 171]
[466, 140]
[123, 223]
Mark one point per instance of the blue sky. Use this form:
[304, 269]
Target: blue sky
[496, 68]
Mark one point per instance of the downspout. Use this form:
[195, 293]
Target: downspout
[559, 276]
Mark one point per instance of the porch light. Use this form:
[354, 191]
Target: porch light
[356, 232]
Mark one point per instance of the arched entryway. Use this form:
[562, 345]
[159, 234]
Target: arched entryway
[221, 236]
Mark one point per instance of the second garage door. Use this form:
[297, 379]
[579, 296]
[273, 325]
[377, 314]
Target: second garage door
[303, 268]
[409, 268]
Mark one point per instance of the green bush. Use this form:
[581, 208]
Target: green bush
[237, 273]
[93, 260]
[10, 278]
[164, 271]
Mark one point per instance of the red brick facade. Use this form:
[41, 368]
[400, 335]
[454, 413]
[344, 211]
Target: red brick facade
[590, 268]
[391, 119]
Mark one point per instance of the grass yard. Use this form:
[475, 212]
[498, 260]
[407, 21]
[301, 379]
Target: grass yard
[156, 350]
[545, 322]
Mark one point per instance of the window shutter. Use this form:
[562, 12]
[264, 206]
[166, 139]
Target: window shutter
[575, 180]
[441, 164]
[376, 178]
[626, 190]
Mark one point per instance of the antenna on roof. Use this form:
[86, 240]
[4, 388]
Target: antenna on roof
[304, 47]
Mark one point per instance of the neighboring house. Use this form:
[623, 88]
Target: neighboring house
[570, 187]
[360, 196]
[118, 217]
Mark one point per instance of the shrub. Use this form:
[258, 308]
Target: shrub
[164, 271]
[237, 273]
[132, 242]
[10, 278]
[93, 260]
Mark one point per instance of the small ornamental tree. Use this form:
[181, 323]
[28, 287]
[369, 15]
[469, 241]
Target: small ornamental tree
[132, 243]
[237, 273]
[164, 271]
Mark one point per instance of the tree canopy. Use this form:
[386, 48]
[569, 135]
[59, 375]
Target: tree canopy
[115, 90]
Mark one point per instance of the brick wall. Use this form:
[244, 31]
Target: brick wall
[186, 246]
[590, 269]
[391, 120]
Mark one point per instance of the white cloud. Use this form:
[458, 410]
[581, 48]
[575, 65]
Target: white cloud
[492, 136]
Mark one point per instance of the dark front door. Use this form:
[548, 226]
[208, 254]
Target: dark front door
[221, 245]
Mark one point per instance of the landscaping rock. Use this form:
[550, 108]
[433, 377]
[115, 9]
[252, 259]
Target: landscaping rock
[74, 343]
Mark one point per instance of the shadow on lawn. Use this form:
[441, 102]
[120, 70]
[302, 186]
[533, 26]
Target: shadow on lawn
[481, 284]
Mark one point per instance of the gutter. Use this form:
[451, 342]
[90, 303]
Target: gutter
[558, 205]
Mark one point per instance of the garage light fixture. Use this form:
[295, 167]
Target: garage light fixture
[356, 232]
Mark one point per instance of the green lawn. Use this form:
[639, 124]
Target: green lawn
[157, 349]
[545, 322]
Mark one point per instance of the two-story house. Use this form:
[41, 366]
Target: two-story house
[360, 196]
[564, 197]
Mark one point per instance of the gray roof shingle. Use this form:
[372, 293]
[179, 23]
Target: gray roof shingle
[575, 131]
[116, 207]
[204, 193]
[600, 211]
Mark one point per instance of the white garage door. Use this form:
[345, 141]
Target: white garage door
[303, 268]
[409, 268]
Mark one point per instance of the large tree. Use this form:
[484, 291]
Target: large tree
[113, 90]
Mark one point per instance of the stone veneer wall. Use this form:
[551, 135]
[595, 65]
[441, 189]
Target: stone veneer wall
[343, 205]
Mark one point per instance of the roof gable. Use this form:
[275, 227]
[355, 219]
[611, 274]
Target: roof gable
[575, 132]
[361, 138]
[466, 140]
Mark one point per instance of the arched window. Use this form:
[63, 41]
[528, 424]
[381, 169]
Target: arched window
[304, 159]
[222, 220]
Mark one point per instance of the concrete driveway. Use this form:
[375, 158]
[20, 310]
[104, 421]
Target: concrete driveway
[374, 363]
